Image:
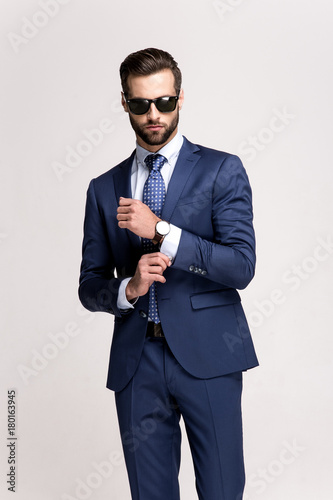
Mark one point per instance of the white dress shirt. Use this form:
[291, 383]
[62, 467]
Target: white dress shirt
[139, 176]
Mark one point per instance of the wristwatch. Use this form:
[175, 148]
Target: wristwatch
[162, 228]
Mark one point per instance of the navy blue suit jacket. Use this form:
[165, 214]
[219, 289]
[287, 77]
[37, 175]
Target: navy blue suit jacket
[209, 198]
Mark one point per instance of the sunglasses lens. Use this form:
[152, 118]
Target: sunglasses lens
[163, 104]
[166, 104]
[138, 106]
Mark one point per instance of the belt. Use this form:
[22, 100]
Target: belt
[154, 330]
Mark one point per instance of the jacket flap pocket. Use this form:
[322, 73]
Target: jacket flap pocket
[215, 298]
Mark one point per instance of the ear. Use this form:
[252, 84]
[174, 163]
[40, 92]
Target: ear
[124, 103]
[181, 99]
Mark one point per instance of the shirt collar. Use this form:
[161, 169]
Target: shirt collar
[169, 151]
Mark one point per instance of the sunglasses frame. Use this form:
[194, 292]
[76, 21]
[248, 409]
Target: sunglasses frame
[149, 101]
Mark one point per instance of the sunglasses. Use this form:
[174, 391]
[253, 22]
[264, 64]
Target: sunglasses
[165, 104]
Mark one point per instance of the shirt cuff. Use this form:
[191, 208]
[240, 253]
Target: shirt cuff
[122, 302]
[171, 241]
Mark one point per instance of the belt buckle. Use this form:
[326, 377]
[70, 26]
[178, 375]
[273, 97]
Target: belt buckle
[157, 330]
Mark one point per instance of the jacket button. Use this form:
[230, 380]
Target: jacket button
[204, 272]
[200, 271]
[143, 314]
[196, 270]
[191, 268]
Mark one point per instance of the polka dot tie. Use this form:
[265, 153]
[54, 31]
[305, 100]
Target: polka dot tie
[153, 196]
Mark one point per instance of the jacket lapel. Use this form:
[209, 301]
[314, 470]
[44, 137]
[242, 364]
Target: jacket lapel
[184, 166]
[122, 187]
[122, 179]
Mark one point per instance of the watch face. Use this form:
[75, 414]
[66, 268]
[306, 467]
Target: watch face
[163, 227]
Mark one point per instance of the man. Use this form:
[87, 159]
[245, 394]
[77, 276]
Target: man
[168, 238]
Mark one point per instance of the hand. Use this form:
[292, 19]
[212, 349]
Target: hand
[137, 217]
[150, 268]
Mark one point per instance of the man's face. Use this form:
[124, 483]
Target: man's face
[153, 129]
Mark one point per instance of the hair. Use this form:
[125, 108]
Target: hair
[147, 62]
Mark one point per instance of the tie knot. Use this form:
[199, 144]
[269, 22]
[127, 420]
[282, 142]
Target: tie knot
[155, 162]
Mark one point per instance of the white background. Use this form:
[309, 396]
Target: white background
[243, 63]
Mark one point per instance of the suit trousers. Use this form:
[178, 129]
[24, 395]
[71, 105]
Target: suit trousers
[149, 410]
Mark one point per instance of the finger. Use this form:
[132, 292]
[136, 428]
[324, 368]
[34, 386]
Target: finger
[149, 256]
[158, 277]
[150, 267]
[162, 256]
[124, 210]
[156, 270]
[125, 201]
[123, 224]
[167, 259]
[123, 217]
[153, 263]
[157, 261]
[128, 202]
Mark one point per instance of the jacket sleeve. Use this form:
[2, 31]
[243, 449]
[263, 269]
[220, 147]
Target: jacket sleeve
[98, 289]
[230, 258]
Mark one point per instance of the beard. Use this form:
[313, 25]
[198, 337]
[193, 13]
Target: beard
[153, 137]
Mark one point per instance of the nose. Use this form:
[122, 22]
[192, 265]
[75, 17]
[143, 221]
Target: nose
[153, 112]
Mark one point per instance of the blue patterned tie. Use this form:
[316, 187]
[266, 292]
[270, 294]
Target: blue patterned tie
[153, 196]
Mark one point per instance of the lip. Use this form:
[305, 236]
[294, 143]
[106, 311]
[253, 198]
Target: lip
[154, 127]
